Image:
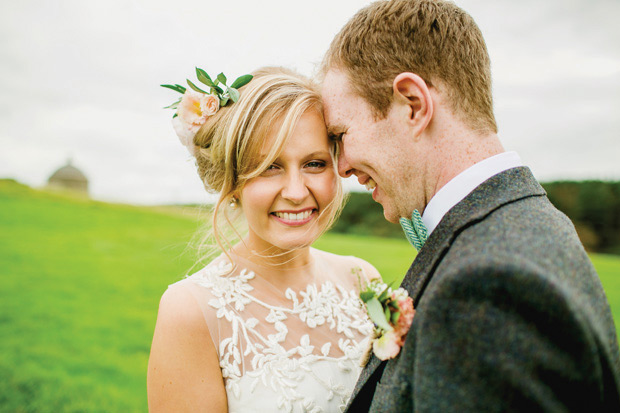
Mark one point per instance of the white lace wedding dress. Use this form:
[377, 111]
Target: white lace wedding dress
[291, 349]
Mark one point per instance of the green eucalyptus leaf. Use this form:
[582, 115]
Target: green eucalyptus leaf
[241, 81]
[384, 295]
[388, 314]
[204, 77]
[221, 78]
[196, 88]
[395, 317]
[376, 314]
[366, 295]
[223, 101]
[174, 105]
[175, 115]
[176, 88]
[234, 94]
[218, 89]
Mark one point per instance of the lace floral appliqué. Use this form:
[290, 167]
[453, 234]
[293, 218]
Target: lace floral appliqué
[271, 364]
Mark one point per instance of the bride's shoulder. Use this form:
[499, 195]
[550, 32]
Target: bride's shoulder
[189, 300]
[199, 285]
[178, 307]
[218, 271]
[348, 264]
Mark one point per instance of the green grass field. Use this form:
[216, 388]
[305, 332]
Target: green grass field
[80, 283]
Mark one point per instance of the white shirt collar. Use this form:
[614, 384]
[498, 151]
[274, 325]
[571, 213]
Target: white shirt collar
[463, 184]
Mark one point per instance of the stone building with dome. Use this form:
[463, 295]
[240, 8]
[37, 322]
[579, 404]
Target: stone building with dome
[69, 177]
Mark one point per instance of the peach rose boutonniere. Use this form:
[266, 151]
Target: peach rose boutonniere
[392, 313]
[197, 105]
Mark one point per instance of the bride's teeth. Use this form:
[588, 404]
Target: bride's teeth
[370, 184]
[294, 217]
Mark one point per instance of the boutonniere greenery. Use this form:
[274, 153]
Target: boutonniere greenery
[392, 313]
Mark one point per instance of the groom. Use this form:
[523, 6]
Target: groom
[510, 314]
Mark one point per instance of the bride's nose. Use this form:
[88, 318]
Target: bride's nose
[295, 189]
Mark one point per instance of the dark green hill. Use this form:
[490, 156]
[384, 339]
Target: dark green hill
[593, 206]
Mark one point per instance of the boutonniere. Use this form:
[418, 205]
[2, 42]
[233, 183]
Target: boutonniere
[392, 313]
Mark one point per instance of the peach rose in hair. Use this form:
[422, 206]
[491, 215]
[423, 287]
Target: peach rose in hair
[193, 112]
[209, 104]
[185, 133]
[190, 110]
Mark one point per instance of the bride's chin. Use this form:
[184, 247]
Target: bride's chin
[292, 244]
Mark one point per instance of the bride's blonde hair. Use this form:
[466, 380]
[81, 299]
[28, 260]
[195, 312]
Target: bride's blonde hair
[228, 145]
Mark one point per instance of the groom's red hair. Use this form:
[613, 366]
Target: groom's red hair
[434, 39]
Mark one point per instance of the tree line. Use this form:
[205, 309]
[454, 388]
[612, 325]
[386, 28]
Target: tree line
[593, 206]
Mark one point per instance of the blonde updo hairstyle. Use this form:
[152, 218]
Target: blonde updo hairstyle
[229, 144]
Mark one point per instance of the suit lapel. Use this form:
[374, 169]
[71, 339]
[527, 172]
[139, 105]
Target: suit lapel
[504, 188]
[501, 189]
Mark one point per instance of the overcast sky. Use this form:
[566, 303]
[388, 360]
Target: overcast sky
[79, 79]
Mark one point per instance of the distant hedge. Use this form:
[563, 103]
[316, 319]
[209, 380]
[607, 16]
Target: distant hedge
[363, 216]
[593, 206]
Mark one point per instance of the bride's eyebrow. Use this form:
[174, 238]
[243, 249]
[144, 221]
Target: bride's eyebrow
[317, 154]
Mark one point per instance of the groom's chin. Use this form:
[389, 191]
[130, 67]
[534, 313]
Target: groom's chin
[390, 215]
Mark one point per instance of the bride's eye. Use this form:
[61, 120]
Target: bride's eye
[270, 170]
[316, 165]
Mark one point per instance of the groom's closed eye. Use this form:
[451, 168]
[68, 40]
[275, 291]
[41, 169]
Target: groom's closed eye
[335, 134]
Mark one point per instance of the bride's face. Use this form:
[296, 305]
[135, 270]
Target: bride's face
[285, 205]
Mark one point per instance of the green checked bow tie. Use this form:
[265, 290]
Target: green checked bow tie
[415, 230]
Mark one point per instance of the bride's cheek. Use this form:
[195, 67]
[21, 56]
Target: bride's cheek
[325, 186]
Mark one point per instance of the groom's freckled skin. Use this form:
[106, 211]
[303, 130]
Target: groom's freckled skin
[370, 148]
[409, 165]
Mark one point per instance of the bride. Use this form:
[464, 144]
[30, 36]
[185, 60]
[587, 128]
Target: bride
[271, 324]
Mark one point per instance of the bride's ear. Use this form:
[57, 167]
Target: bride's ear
[413, 97]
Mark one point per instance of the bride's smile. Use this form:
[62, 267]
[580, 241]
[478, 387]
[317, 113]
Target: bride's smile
[295, 218]
[284, 205]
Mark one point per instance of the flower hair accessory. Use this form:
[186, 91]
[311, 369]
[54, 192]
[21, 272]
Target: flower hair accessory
[196, 105]
[392, 313]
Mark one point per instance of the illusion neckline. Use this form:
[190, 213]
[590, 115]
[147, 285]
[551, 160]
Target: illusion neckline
[279, 278]
[270, 267]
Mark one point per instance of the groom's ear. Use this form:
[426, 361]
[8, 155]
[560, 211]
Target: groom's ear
[413, 96]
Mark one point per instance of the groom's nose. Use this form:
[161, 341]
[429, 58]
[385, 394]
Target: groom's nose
[344, 169]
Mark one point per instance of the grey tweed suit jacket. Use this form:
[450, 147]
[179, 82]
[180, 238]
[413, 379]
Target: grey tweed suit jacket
[510, 315]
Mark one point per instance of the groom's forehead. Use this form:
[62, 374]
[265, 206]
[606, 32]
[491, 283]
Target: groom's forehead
[336, 98]
[335, 86]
